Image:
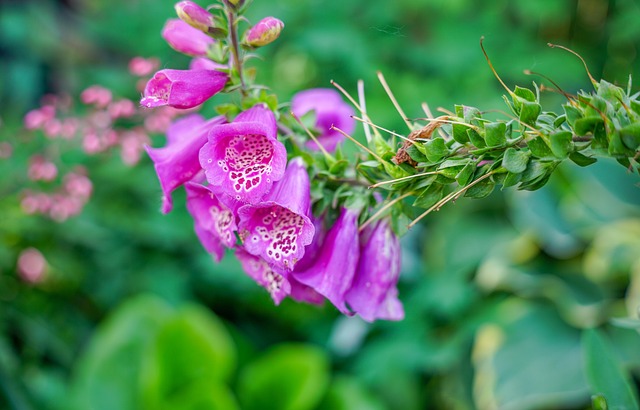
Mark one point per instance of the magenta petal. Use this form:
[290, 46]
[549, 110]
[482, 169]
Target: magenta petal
[266, 276]
[214, 223]
[373, 293]
[330, 110]
[279, 228]
[182, 88]
[186, 39]
[304, 293]
[202, 63]
[177, 162]
[332, 273]
[243, 158]
[260, 113]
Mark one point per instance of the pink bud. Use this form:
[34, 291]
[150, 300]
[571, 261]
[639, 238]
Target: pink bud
[121, 109]
[266, 31]
[41, 170]
[76, 184]
[194, 15]
[36, 119]
[99, 96]
[143, 66]
[186, 39]
[202, 63]
[31, 265]
[52, 128]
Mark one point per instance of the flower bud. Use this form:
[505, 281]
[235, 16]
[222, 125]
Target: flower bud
[236, 4]
[194, 15]
[266, 31]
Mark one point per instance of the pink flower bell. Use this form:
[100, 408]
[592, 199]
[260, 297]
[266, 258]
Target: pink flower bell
[194, 15]
[278, 228]
[244, 158]
[182, 88]
[186, 39]
[266, 31]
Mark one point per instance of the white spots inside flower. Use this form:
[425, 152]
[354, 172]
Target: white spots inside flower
[273, 281]
[222, 224]
[279, 228]
[247, 159]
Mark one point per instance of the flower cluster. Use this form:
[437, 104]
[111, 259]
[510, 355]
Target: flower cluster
[249, 190]
[102, 128]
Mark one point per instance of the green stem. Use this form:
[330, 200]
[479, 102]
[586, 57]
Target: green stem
[235, 49]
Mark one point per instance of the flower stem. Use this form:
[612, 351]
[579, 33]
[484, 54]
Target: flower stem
[235, 49]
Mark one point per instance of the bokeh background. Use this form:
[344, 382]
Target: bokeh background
[133, 314]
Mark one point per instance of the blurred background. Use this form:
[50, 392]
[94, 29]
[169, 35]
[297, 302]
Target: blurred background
[131, 313]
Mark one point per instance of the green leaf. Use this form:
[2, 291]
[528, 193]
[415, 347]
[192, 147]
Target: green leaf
[193, 346]
[525, 94]
[202, 395]
[598, 402]
[515, 161]
[346, 393]
[481, 189]
[436, 149]
[466, 173]
[539, 148]
[460, 133]
[562, 143]
[495, 134]
[338, 167]
[416, 154]
[581, 159]
[287, 377]
[631, 136]
[530, 112]
[584, 126]
[429, 196]
[573, 114]
[537, 174]
[605, 373]
[108, 372]
[475, 138]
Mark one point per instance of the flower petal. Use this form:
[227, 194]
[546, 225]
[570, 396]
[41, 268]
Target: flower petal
[177, 162]
[214, 223]
[186, 39]
[266, 276]
[244, 158]
[373, 293]
[332, 273]
[279, 228]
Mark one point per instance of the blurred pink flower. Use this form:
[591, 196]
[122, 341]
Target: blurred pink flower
[31, 265]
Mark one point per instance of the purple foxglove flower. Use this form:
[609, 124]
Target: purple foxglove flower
[244, 158]
[214, 223]
[330, 110]
[202, 63]
[266, 31]
[194, 15]
[373, 293]
[186, 39]
[332, 272]
[182, 88]
[278, 228]
[177, 162]
[276, 282]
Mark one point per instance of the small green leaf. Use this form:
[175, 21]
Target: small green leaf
[529, 112]
[481, 189]
[475, 138]
[631, 136]
[495, 134]
[429, 196]
[581, 159]
[338, 167]
[436, 149]
[525, 93]
[511, 179]
[460, 133]
[515, 161]
[416, 153]
[539, 148]
[562, 143]
[598, 402]
[584, 126]
[466, 173]
[605, 373]
[573, 114]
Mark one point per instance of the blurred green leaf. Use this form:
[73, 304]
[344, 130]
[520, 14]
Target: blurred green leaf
[287, 377]
[605, 373]
[347, 393]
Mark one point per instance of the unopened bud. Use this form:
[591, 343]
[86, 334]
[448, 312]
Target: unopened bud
[236, 4]
[266, 31]
[195, 16]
